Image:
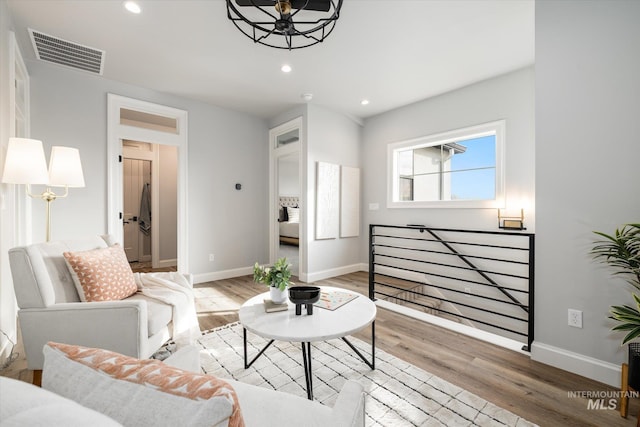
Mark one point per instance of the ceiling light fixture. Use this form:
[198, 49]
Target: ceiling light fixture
[285, 24]
[132, 7]
[364, 102]
[286, 68]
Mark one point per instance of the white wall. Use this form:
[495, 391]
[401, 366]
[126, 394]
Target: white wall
[70, 108]
[332, 138]
[509, 97]
[7, 206]
[587, 163]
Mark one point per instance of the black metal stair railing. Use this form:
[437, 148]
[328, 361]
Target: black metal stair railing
[483, 279]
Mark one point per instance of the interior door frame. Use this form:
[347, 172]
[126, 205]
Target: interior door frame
[15, 205]
[116, 132]
[19, 111]
[274, 154]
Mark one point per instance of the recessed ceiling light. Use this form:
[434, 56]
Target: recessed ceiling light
[132, 7]
[364, 102]
[286, 68]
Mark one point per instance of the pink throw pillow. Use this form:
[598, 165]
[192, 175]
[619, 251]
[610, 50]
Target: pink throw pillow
[101, 274]
[151, 374]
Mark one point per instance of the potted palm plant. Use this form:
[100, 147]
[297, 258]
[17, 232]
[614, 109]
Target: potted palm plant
[621, 251]
[277, 277]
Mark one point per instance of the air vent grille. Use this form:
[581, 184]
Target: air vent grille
[52, 49]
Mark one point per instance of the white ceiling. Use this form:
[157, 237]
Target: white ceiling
[392, 52]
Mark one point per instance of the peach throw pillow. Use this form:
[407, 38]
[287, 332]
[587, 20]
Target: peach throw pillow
[205, 393]
[101, 274]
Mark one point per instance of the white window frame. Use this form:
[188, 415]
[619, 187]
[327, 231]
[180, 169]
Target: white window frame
[496, 127]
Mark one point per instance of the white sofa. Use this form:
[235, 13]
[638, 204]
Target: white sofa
[51, 310]
[24, 404]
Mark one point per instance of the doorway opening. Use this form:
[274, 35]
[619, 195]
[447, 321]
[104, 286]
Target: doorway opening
[289, 210]
[149, 196]
[287, 233]
[164, 129]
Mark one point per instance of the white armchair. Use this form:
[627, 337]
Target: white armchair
[51, 310]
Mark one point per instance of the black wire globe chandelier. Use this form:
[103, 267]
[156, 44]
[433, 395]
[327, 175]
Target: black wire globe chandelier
[285, 24]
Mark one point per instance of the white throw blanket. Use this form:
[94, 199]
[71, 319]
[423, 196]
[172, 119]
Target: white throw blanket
[173, 288]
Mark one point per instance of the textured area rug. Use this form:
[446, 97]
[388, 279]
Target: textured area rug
[398, 393]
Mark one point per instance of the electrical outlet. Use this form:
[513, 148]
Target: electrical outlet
[211, 257]
[575, 318]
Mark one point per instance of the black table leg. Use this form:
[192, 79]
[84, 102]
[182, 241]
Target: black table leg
[244, 339]
[371, 364]
[306, 356]
[308, 376]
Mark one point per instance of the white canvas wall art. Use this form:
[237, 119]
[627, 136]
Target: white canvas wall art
[327, 201]
[349, 202]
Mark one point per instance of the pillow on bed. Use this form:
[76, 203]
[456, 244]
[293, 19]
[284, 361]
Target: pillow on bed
[294, 214]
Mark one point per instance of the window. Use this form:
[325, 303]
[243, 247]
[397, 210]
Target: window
[461, 168]
[287, 137]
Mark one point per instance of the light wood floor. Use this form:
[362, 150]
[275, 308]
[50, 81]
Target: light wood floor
[508, 379]
[146, 267]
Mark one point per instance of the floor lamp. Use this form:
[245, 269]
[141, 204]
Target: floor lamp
[25, 164]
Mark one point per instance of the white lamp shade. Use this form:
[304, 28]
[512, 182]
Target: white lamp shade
[65, 168]
[25, 162]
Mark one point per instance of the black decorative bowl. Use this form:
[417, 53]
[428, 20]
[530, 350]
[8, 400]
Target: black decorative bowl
[307, 295]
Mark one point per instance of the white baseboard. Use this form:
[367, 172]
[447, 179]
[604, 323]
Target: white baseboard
[220, 275]
[327, 274]
[167, 263]
[305, 278]
[598, 370]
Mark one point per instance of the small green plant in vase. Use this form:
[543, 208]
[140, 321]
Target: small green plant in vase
[621, 251]
[277, 277]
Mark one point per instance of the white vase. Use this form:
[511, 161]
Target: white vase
[277, 295]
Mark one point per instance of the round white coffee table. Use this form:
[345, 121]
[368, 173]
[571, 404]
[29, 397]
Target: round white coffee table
[322, 325]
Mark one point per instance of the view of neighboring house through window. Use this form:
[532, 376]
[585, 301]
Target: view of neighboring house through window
[464, 170]
[462, 165]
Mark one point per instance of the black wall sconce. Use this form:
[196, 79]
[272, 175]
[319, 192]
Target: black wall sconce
[511, 222]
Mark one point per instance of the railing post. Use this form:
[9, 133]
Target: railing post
[532, 271]
[372, 291]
